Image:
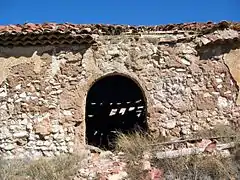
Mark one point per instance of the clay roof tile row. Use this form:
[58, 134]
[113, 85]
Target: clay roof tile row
[41, 31]
[66, 27]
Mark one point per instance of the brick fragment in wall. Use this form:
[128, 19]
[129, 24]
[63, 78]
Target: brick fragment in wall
[43, 126]
[204, 101]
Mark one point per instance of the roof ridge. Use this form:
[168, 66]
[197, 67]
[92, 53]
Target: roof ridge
[62, 27]
[10, 34]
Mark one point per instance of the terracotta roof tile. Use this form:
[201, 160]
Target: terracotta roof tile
[54, 27]
[10, 33]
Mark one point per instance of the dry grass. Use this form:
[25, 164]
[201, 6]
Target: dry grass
[188, 167]
[199, 167]
[136, 143]
[133, 145]
[228, 134]
[57, 168]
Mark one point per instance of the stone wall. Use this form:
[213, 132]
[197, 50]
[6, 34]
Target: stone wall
[190, 82]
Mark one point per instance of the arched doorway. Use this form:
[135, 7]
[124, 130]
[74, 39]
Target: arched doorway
[115, 103]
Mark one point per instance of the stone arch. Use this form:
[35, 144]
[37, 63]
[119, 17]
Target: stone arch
[114, 103]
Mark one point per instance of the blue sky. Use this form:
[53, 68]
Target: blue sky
[134, 12]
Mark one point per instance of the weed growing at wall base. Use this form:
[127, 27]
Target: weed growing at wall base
[57, 168]
[201, 166]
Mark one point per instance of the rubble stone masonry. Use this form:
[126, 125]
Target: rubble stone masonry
[190, 80]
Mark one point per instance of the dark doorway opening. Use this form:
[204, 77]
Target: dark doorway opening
[114, 104]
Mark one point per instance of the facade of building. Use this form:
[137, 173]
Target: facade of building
[65, 85]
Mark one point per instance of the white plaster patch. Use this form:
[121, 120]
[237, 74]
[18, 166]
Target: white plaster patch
[222, 102]
[55, 65]
[67, 113]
